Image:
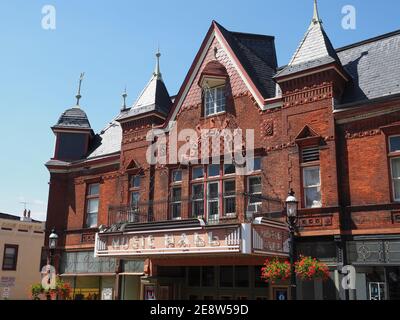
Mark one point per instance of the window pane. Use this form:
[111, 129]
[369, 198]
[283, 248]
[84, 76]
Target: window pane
[135, 182]
[176, 194]
[230, 205]
[176, 176]
[94, 189]
[226, 276]
[194, 276]
[208, 277]
[257, 164]
[213, 208]
[394, 144]
[176, 210]
[229, 169]
[91, 220]
[213, 170]
[396, 186]
[396, 168]
[198, 173]
[198, 208]
[313, 197]
[198, 191]
[255, 185]
[229, 187]
[93, 205]
[213, 190]
[311, 177]
[10, 251]
[242, 276]
[135, 196]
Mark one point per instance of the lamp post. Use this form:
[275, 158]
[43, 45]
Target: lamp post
[53, 239]
[291, 219]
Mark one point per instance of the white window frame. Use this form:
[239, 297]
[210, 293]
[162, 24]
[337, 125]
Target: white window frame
[213, 200]
[92, 197]
[197, 200]
[256, 204]
[232, 196]
[311, 186]
[214, 100]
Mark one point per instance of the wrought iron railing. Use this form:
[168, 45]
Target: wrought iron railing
[213, 210]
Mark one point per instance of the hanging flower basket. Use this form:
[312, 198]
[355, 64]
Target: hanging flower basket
[308, 268]
[62, 291]
[275, 270]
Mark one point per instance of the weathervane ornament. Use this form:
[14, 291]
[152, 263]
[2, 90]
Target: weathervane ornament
[78, 96]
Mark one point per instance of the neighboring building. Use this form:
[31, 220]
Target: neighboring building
[326, 125]
[21, 242]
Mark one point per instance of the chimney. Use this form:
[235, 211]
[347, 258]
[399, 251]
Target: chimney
[27, 216]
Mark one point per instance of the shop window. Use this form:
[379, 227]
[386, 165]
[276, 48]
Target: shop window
[208, 277]
[312, 187]
[10, 257]
[394, 157]
[214, 100]
[194, 274]
[241, 276]
[258, 281]
[92, 205]
[226, 276]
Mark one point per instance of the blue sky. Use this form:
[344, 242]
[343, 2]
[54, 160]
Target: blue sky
[114, 43]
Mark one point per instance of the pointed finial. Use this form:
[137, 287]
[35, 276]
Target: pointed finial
[316, 18]
[124, 96]
[157, 72]
[78, 96]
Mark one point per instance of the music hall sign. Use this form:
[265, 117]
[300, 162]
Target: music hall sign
[244, 238]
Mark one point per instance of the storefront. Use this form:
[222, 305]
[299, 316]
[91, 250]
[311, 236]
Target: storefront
[101, 278]
[192, 261]
[377, 263]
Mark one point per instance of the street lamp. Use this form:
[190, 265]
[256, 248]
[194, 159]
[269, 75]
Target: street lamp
[291, 219]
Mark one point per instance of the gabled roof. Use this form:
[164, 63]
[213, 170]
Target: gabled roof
[257, 55]
[153, 98]
[314, 50]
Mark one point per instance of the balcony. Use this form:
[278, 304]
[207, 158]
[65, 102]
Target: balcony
[225, 208]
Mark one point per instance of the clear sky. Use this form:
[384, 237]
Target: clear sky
[114, 42]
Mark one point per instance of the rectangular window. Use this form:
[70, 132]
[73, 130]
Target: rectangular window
[214, 100]
[198, 200]
[255, 192]
[135, 182]
[92, 205]
[135, 198]
[207, 276]
[176, 203]
[176, 176]
[241, 276]
[197, 173]
[10, 257]
[257, 164]
[213, 201]
[226, 276]
[394, 144]
[230, 198]
[213, 170]
[229, 169]
[395, 164]
[312, 187]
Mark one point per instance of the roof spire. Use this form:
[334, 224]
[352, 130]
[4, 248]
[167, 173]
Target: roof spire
[124, 96]
[157, 72]
[78, 96]
[316, 18]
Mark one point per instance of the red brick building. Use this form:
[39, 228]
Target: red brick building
[326, 125]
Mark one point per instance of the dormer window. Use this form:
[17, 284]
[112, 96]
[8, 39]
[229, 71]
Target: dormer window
[213, 81]
[214, 100]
